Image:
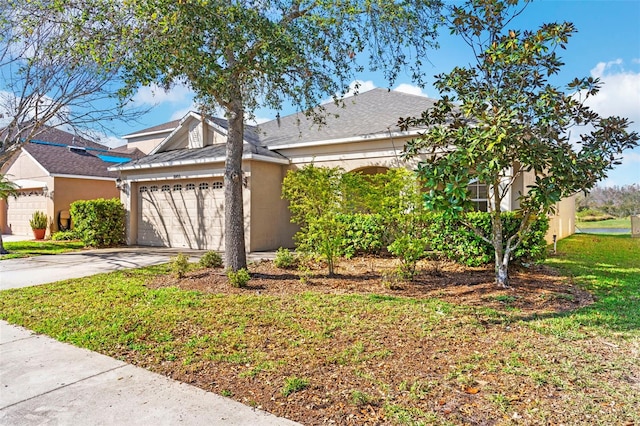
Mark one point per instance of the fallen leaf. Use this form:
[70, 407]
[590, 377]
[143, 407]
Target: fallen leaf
[472, 390]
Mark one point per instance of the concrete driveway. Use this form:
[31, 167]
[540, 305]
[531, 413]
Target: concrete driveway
[43, 381]
[24, 272]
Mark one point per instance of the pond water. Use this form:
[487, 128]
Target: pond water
[603, 231]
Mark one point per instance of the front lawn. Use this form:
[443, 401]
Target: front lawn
[35, 248]
[619, 223]
[361, 349]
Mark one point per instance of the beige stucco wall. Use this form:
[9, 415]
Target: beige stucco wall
[146, 143]
[67, 190]
[381, 152]
[271, 227]
[562, 223]
[24, 167]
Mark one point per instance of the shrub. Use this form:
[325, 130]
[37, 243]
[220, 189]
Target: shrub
[409, 250]
[65, 236]
[285, 259]
[316, 196]
[100, 222]
[238, 279]
[179, 265]
[211, 259]
[363, 234]
[459, 243]
[39, 220]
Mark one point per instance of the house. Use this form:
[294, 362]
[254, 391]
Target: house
[52, 172]
[174, 196]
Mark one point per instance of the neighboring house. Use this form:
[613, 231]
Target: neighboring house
[52, 172]
[174, 196]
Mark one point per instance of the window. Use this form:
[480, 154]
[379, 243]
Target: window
[153, 188]
[478, 196]
[143, 189]
[190, 187]
[177, 187]
[217, 185]
[203, 186]
[165, 188]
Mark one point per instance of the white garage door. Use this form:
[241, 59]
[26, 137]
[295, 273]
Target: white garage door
[20, 209]
[182, 214]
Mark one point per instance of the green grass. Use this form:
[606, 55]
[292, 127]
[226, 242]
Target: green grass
[609, 267]
[467, 364]
[34, 248]
[623, 222]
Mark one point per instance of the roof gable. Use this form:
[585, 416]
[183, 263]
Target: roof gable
[196, 131]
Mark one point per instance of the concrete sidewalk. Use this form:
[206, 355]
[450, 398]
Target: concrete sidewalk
[43, 381]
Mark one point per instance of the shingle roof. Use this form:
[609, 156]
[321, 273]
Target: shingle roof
[158, 128]
[55, 135]
[58, 158]
[370, 113]
[217, 151]
[373, 112]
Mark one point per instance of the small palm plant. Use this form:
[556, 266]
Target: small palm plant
[38, 220]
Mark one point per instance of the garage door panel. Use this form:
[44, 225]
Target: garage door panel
[188, 218]
[21, 208]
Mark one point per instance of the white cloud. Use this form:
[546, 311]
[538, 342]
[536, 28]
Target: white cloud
[620, 92]
[155, 95]
[410, 89]
[363, 86]
[620, 95]
[180, 113]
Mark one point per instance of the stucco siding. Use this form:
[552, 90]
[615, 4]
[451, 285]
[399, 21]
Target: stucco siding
[68, 190]
[271, 227]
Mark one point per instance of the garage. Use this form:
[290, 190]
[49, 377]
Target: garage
[21, 208]
[186, 214]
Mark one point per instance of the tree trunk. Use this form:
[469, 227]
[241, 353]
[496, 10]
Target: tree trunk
[235, 251]
[501, 256]
[2, 249]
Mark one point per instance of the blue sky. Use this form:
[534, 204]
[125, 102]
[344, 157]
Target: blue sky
[607, 45]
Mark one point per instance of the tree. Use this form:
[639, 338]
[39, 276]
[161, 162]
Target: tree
[7, 189]
[500, 117]
[317, 196]
[244, 54]
[620, 201]
[46, 79]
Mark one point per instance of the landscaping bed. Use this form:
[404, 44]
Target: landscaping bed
[362, 348]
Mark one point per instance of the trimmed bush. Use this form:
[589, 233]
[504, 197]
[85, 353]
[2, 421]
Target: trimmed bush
[238, 279]
[211, 259]
[99, 223]
[363, 234]
[285, 259]
[179, 265]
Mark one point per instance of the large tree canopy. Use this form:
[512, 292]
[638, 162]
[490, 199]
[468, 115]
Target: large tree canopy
[240, 55]
[500, 118]
[47, 77]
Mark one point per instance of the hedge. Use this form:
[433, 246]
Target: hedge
[449, 238]
[100, 222]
